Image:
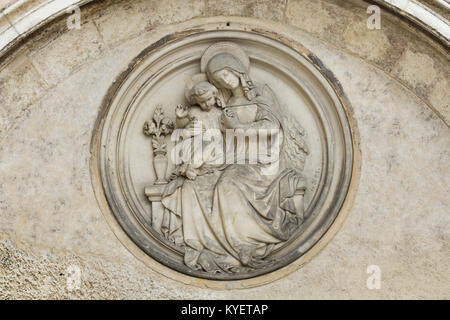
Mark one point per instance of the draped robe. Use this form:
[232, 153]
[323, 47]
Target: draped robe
[232, 217]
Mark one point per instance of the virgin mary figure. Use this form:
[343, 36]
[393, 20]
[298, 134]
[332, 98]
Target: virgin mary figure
[251, 208]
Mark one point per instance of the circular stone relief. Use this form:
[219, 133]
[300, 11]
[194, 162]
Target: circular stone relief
[225, 154]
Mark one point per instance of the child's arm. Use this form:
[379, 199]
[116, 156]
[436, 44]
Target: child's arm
[182, 116]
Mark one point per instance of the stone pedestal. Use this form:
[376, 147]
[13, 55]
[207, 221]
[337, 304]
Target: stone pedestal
[298, 199]
[154, 194]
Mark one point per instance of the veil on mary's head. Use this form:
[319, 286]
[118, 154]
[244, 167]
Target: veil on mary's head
[230, 56]
[228, 61]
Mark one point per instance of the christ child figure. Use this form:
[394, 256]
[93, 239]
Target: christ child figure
[202, 123]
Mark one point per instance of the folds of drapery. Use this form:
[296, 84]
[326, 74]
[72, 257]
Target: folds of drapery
[232, 217]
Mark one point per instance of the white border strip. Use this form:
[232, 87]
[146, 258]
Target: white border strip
[44, 11]
[424, 15]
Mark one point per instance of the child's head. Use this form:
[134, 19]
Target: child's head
[204, 94]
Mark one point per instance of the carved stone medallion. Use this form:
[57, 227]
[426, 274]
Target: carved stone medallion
[225, 154]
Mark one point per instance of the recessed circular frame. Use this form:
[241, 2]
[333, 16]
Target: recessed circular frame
[123, 154]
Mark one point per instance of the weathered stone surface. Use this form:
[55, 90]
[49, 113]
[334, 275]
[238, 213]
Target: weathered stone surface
[27, 276]
[66, 53]
[428, 73]
[399, 220]
[440, 96]
[382, 46]
[114, 21]
[331, 25]
[166, 12]
[20, 86]
[56, 133]
[269, 10]
[417, 69]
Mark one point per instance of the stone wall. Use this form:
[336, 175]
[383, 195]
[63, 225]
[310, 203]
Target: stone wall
[51, 87]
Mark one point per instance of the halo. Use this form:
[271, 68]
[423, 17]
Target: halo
[191, 82]
[224, 47]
